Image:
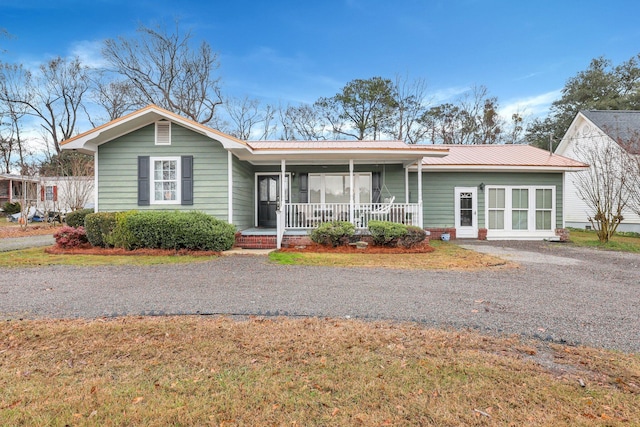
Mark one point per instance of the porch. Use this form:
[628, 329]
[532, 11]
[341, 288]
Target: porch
[300, 216]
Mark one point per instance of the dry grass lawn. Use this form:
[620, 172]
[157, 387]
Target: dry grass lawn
[13, 229]
[310, 372]
[446, 256]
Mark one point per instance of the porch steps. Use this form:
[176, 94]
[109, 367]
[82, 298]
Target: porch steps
[266, 238]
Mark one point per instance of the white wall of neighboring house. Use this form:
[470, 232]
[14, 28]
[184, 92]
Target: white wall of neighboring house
[576, 210]
[64, 194]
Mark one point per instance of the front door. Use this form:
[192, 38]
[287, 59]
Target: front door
[466, 212]
[268, 199]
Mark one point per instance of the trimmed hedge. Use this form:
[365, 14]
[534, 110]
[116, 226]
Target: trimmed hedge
[385, 233]
[76, 218]
[173, 230]
[99, 226]
[415, 236]
[333, 233]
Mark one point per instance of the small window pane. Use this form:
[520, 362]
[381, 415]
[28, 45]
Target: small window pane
[543, 220]
[315, 188]
[543, 199]
[496, 220]
[519, 220]
[520, 198]
[364, 188]
[496, 198]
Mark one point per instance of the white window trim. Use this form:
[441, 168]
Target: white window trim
[152, 181]
[356, 194]
[530, 232]
[157, 141]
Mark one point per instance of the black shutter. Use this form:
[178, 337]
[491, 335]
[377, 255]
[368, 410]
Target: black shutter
[143, 181]
[376, 181]
[187, 180]
[303, 187]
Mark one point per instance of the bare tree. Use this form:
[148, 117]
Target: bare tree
[303, 122]
[604, 186]
[165, 70]
[116, 97]
[248, 119]
[472, 119]
[411, 104]
[54, 95]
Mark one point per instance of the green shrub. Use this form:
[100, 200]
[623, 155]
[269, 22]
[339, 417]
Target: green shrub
[99, 226]
[173, 230]
[415, 236]
[76, 218]
[121, 236]
[11, 208]
[333, 233]
[385, 233]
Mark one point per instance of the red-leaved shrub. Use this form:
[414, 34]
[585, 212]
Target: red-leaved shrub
[70, 237]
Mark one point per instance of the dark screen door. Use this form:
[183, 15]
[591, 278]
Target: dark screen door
[268, 198]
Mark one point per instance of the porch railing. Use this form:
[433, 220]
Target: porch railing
[310, 215]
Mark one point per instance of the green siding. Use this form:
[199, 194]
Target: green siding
[438, 192]
[243, 194]
[117, 170]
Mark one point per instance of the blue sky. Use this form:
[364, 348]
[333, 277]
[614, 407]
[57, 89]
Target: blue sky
[297, 51]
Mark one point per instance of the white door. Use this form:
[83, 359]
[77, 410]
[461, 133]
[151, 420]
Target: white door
[466, 212]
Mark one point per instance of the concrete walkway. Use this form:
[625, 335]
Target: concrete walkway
[16, 243]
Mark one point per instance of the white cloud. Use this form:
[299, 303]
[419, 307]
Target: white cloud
[532, 106]
[89, 52]
[442, 95]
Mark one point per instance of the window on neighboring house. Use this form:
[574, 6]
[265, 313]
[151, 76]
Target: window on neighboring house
[496, 208]
[163, 133]
[165, 183]
[334, 187]
[544, 206]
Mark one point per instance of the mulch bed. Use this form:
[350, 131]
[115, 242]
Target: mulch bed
[349, 249]
[90, 250]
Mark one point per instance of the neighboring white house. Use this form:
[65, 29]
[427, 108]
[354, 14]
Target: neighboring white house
[65, 193]
[597, 128]
[48, 193]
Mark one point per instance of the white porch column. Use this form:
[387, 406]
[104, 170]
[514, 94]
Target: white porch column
[230, 187]
[406, 184]
[95, 181]
[351, 190]
[421, 212]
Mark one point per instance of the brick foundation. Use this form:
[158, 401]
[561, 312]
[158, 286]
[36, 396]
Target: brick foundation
[563, 234]
[256, 242]
[436, 232]
[482, 234]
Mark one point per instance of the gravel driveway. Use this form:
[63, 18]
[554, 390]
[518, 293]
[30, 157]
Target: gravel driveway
[559, 293]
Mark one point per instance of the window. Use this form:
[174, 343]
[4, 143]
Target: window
[163, 133]
[165, 182]
[519, 209]
[50, 193]
[334, 188]
[496, 208]
[544, 199]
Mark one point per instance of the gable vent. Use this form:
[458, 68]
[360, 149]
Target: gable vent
[163, 133]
